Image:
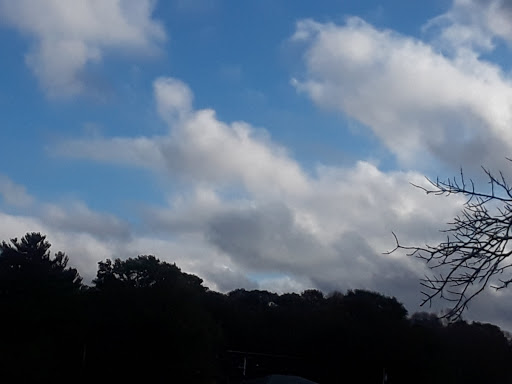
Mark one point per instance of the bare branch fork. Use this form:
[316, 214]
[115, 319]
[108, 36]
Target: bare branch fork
[476, 252]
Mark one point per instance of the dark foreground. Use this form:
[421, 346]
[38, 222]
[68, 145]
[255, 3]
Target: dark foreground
[145, 320]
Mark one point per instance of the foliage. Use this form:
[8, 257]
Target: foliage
[143, 272]
[146, 320]
[27, 267]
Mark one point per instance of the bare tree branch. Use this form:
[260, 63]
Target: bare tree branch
[476, 252]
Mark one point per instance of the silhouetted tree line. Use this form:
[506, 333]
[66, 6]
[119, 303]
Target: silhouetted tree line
[144, 319]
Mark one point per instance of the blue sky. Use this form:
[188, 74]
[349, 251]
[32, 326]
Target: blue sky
[259, 144]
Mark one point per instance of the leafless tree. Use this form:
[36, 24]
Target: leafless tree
[476, 252]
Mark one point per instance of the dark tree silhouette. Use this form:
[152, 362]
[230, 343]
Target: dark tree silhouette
[476, 252]
[143, 272]
[312, 296]
[374, 306]
[40, 319]
[160, 320]
[146, 320]
[26, 267]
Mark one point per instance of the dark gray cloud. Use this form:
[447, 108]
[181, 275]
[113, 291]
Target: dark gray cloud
[267, 240]
[264, 239]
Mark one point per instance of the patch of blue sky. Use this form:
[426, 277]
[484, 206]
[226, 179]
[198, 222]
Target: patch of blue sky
[227, 55]
[232, 69]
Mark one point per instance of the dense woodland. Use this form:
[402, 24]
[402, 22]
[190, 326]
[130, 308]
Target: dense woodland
[144, 319]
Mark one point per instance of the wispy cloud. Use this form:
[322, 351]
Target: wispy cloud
[473, 25]
[14, 194]
[67, 36]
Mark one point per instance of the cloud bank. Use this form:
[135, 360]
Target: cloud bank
[254, 207]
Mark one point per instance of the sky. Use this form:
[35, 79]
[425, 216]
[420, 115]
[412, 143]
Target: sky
[259, 144]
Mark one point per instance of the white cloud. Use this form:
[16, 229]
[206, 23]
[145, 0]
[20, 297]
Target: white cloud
[69, 35]
[76, 217]
[249, 216]
[474, 25]
[174, 99]
[425, 107]
[85, 235]
[85, 244]
[284, 284]
[84, 249]
[89, 236]
[14, 194]
[251, 208]
[200, 147]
